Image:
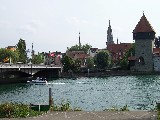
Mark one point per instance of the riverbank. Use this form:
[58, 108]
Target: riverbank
[106, 74]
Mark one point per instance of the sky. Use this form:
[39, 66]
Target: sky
[54, 25]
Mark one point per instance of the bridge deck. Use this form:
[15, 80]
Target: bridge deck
[29, 66]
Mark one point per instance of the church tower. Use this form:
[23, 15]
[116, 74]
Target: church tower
[79, 41]
[144, 36]
[109, 35]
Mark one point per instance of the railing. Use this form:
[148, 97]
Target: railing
[29, 66]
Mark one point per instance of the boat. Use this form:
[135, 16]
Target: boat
[38, 81]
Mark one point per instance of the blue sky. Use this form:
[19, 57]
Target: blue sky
[53, 25]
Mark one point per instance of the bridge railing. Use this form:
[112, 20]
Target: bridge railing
[29, 66]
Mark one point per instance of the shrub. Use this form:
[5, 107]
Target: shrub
[16, 110]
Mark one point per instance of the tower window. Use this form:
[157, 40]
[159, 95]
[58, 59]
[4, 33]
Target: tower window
[141, 60]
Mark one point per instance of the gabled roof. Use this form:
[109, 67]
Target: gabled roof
[143, 25]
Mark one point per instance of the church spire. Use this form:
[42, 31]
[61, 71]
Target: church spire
[79, 41]
[109, 35]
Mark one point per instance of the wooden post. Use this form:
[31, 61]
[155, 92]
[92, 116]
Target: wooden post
[50, 97]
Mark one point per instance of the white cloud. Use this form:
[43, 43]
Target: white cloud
[76, 21]
[32, 26]
[4, 24]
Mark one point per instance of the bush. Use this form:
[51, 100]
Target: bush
[124, 108]
[15, 110]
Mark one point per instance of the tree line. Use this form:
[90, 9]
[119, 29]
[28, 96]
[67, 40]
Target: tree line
[102, 60]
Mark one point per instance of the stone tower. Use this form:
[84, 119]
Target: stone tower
[144, 36]
[109, 35]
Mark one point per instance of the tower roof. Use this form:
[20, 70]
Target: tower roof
[143, 25]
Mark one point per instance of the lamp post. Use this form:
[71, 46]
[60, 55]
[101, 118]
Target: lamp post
[31, 58]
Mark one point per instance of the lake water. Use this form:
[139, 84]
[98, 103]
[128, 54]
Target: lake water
[138, 92]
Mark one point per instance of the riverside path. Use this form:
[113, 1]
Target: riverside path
[104, 115]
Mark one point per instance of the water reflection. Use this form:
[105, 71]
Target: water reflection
[138, 92]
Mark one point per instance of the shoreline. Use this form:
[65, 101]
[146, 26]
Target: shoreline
[106, 74]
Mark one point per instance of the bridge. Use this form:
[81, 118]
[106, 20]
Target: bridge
[31, 69]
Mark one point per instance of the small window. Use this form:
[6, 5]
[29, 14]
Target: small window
[141, 60]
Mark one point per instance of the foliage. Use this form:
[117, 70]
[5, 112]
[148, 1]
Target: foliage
[64, 106]
[157, 42]
[78, 62]
[124, 108]
[77, 65]
[130, 52]
[6, 54]
[15, 110]
[124, 61]
[102, 59]
[68, 63]
[76, 47]
[124, 64]
[37, 59]
[90, 62]
[21, 47]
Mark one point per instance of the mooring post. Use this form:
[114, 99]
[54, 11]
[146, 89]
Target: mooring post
[50, 97]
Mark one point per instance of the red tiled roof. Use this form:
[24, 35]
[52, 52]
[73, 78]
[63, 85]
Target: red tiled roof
[143, 25]
[77, 54]
[116, 48]
[81, 56]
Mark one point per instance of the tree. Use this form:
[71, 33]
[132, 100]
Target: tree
[68, 63]
[76, 47]
[157, 42]
[21, 47]
[124, 64]
[90, 62]
[37, 59]
[78, 62]
[8, 55]
[102, 59]
[129, 53]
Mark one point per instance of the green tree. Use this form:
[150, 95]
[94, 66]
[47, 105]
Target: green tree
[84, 48]
[68, 63]
[37, 59]
[90, 62]
[78, 62]
[21, 47]
[8, 55]
[102, 59]
[124, 64]
[129, 53]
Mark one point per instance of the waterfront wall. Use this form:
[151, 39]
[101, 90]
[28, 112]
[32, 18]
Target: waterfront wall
[108, 73]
